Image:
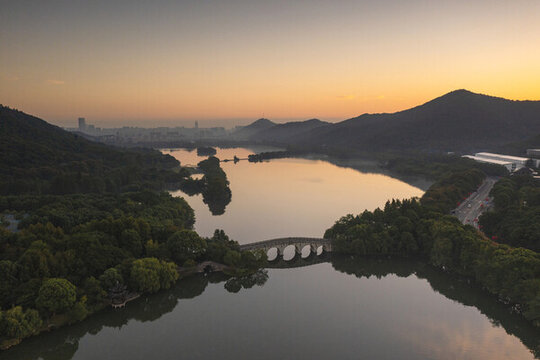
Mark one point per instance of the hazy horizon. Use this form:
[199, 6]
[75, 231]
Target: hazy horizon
[153, 123]
[133, 63]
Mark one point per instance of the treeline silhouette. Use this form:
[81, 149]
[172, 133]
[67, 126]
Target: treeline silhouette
[40, 158]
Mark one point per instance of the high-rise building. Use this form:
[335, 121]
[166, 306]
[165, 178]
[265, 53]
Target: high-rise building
[82, 124]
[196, 124]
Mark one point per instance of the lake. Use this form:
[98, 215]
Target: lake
[289, 197]
[318, 308]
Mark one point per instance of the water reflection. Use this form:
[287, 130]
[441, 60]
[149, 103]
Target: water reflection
[64, 343]
[289, 197]
[217, 205]
[454, 288]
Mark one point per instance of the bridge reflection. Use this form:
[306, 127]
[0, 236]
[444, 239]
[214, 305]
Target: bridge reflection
[298, 261]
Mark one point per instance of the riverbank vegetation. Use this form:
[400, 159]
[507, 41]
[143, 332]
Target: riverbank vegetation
[435, 166]
[409, 228]
[515, 220]
[86, 223]
[71, 250]
[268, 155]
[451, 189]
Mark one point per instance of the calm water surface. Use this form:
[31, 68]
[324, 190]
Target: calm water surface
[289, 197]
[341, 308]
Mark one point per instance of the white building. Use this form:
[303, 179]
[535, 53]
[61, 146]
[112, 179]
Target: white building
[507, 164]
[535, 153]
[512, 163]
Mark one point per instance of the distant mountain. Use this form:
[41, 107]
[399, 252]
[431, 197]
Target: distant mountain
[37, 157]
[458, 121]
[283, 133]
[246, 132]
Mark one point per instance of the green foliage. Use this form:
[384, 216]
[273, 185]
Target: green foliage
[94, 292]
[78, 312]
[89, 211]
[449, 191]
[516, 217]
[189, 263]
[8, 280]
[151, 275]
[39, 158]
[110, 211]
[408, 228]
[232, 258]
[185, 245]
[18, 324]
[218, 245]
[436, 166]
[110, 278]
[56, 295]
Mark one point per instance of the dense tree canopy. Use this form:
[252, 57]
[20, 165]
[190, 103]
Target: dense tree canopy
[56, 295]
[186, 245]
[408, 228]
[151, 275]
[451, 189]
[516, 217]
[39, 158]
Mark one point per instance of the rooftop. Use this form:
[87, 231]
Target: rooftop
[507, 157]
[488, 160]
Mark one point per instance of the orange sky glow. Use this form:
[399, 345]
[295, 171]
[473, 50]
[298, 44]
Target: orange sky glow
[295, 60]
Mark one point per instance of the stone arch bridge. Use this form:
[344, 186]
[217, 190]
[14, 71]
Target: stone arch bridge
[298, 242]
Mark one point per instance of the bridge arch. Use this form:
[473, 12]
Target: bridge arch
[299, 244]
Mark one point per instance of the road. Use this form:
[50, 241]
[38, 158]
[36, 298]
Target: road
[478, 202]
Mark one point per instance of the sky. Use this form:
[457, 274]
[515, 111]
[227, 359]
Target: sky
[153, 63]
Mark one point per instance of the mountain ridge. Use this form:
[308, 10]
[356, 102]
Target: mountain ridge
[460, 120]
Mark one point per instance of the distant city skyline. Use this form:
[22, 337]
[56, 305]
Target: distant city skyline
[226, 63]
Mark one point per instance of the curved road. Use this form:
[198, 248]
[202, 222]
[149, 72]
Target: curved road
[477, 203]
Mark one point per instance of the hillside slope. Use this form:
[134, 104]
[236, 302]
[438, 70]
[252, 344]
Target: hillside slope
[283, 133]
[246, 132]
[458, 121]
[37, 157]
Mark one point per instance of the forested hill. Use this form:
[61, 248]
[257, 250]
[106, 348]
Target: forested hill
[286, 132]
[257, 126]
[37, 157]
[458, 121]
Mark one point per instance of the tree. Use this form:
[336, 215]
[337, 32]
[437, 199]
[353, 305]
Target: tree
[131, 241]
[16, 324]
[8, 281]
[79, 311]
[184, 245]
[56, 295]
[167, 274]
[109, 278]
[93, 290]
[151, 274]
[232, 258]
[35, 261]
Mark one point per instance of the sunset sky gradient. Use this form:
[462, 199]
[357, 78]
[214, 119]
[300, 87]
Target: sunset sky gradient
[217, 61]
